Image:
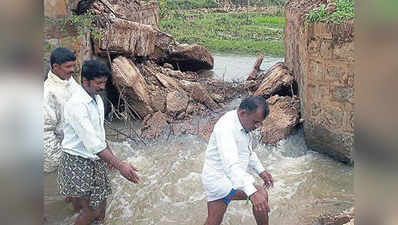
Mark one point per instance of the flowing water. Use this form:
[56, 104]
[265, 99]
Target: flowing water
[307, 184]
[238, 68]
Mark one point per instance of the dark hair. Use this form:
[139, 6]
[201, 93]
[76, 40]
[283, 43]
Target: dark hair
[92, 69]
[251, 104]
[61, 55]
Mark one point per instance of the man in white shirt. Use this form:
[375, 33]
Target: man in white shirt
[82, 172]
[229, 155]
[58, 88]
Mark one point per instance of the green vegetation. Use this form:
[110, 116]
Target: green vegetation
[199, 4]
[344, 11]
[253, 33]
[190, 4]
[83, 23]
[279, 3]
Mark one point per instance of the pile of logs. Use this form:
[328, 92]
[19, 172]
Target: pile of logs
[158, 82]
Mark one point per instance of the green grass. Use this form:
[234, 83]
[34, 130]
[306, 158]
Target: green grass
[255, 33]
[345, 10]
[190, 4]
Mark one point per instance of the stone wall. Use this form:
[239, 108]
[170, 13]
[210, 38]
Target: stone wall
[321, 56]
[56, 35]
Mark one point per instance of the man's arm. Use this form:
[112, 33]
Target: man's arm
[126, 170]
[52, 143]
[77, 116]
[228, 150]
[257, 166]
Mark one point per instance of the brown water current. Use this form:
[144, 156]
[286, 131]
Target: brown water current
[307, 184]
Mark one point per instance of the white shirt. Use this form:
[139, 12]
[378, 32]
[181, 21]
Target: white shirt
[56, 93]
[84, 133]
[228, 157]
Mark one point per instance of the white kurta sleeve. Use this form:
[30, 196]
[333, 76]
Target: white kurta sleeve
[255, 163]
[52, 140]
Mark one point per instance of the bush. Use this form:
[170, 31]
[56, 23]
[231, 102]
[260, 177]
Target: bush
[344, 11]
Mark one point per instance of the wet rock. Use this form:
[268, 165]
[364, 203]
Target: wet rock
[282, 119]
[168, 82]
[184, 127]
[205, 126]
[217, 97]
[177, 102]
[129, 81]
[159, 102]
[156, 126]
[190, 108]
[200, 94]
[277, 79]
[345, 218]
[191, 58]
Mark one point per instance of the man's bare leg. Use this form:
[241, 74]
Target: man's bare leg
[76, 204]
[216, 209]
[260, 216]
[215, 212]
[100, 211]
[87, 215]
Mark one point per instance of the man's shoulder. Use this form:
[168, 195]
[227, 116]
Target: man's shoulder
[226, 120]
[76, 100]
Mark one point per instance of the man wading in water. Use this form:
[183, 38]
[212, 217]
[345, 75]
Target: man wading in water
[228, 157]
[82, 171]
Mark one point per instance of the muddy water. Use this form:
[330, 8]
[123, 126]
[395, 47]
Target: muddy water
[307, 184]
[237, 68]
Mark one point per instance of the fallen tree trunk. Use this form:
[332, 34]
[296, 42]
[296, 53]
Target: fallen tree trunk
[130, 82]
[282, 119]
[277, 80]
[190, 58]
[256, 68]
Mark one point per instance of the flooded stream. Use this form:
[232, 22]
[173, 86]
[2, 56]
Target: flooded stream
[307, 184]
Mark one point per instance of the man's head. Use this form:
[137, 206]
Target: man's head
[62, 63]
[252, 111]
[94, 76]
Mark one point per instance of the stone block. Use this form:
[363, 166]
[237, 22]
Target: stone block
[176, 102]
[322, 31]
[334, 72]
[343, 93]
[326, 50]
[350, 79]
[323, 92]
[332, 117]
[344, 52]
[55, 9]
[314, 47]
[316, 71]
[316, 109]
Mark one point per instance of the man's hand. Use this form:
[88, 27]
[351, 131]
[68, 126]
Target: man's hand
[260, 200]
[110, 166]
[267, 178]
[129, 172]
